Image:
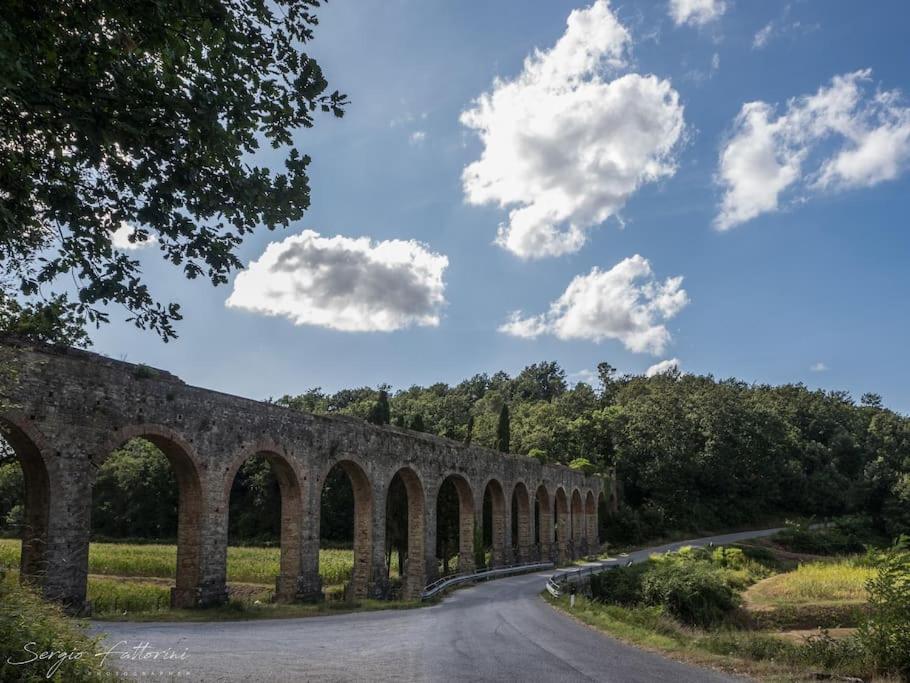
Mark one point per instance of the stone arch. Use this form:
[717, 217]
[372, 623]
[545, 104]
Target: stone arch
[415, 571]
[521, 521]
[577, 513]
[28, 445]
[190, 502]
[284, 469]
[561, 512]
[466, 517]
[544, 522]
[591, 522]
[494, 488]
[363, 521]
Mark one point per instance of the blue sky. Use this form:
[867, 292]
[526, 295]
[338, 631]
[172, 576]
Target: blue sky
[640, 118]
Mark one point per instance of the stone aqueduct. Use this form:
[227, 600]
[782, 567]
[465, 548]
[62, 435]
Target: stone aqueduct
[65, 410]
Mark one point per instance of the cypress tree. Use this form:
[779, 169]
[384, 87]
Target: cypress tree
[380, 413]
[417, 423]
[469, 431]
[502, 430]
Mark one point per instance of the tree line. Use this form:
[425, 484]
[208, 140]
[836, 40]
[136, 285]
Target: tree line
[690, 452]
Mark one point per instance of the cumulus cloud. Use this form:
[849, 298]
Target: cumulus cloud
[839, 138]
[696, 12]
[818, 367]
[625, 303]
[343, 283]
[564, 147]
[120, 238]
[662, 367]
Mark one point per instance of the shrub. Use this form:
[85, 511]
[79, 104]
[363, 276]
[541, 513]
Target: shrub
[756, 646]
[621, 586]
[829, 653]
[693, 592]
[799, 538]
[26, 619]
[759, 555]
[698, 586]
[144, 372]
[885, 634]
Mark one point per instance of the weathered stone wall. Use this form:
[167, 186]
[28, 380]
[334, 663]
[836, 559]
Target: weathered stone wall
[72, 408]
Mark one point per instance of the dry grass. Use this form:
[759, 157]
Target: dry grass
[818, 583]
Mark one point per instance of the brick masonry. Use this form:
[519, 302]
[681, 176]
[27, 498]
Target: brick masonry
[71, 409]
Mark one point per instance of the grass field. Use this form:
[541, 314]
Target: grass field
[128, 580]
[245, 565]
[842, 581]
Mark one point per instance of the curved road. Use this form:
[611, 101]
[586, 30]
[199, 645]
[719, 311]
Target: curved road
[500, 630]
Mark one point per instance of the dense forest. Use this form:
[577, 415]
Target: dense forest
[691, 452]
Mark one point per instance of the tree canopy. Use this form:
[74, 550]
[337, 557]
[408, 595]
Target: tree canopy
[144, 118]
[689, 451]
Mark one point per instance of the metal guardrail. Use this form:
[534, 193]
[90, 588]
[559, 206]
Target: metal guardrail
[556, 582]
[480, 575]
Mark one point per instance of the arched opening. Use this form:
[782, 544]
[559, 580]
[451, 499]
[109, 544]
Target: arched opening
[264, 510]
[543, 524]
[578, 525]
[346, 522]
[521, 523]
[148, 488]
[591, 523]
[455, 526]
[561, 516]
[24, 500]
[405, 531]
[494, 522]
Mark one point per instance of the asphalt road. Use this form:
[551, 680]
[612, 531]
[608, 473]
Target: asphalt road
[500, 630]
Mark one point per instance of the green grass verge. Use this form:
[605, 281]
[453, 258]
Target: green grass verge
[241, 611]
[742, 652]
[749, 639]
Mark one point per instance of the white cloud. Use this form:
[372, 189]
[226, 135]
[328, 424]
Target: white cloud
[845, 136]
[662, 367]
[625, 303]
[696, 12]
[417, 137]
[762, 36]
[819, 367]
[120, 239]
[698, 76]
[586, 376]
[343, 283]
[780, 27]
[564, 148]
